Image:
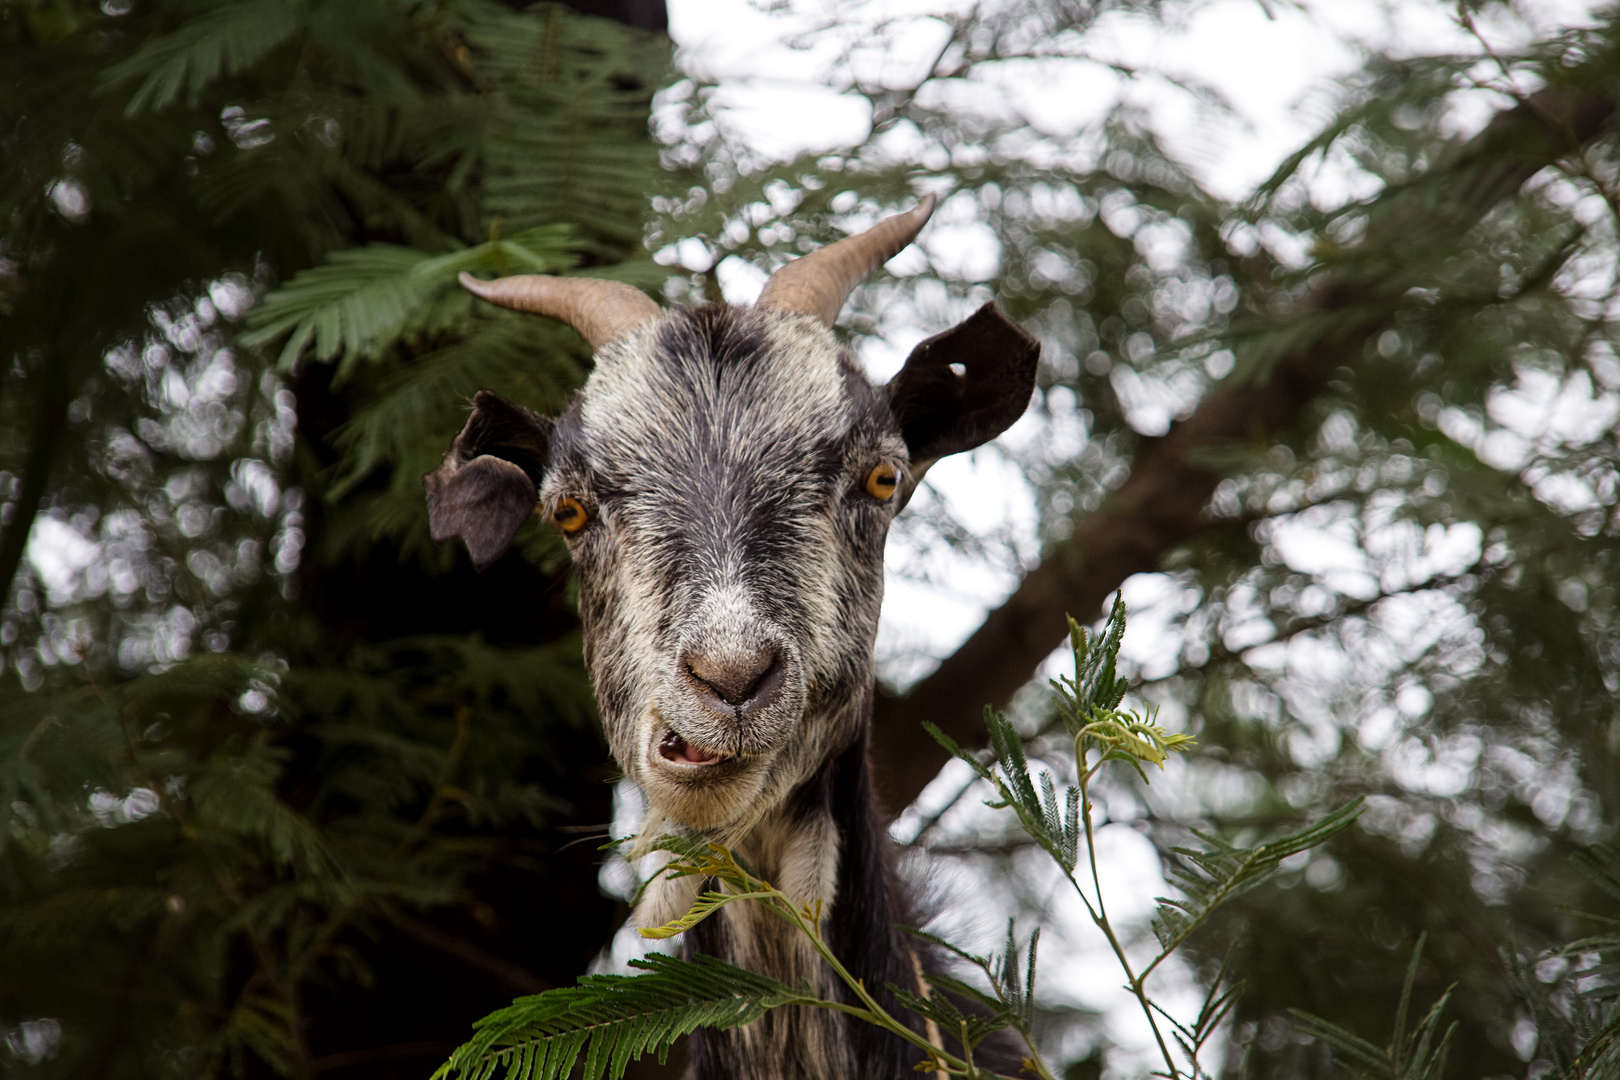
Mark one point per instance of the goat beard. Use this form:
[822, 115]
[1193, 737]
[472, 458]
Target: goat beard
[798, 851]
[733, 810]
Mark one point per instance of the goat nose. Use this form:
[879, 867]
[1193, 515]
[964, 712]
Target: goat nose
[736, 682]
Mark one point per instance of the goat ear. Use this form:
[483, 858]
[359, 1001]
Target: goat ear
[942, 412]
[490, 479]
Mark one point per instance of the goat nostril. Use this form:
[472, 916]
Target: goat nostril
[753, 681]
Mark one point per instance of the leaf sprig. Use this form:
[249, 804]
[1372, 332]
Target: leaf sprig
[1089, 706]
[1416, 1055]
[615, 1019]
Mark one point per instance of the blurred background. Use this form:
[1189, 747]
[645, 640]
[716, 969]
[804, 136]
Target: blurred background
[1327, 295]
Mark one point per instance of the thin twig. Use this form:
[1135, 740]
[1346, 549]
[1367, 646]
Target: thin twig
[1100, 917]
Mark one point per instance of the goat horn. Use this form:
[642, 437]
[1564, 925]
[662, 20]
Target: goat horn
[602, 311]
[819, 283]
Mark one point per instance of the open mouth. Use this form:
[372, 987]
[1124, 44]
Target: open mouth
[676, 749]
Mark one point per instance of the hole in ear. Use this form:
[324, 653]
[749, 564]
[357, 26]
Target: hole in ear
[962, 388]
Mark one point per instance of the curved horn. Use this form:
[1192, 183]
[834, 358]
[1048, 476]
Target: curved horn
[602, 311]
[819, 283]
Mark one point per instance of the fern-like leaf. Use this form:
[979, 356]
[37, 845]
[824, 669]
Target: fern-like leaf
[706, 905]
[1414, 1055]
[1052, 824]
[614, 1019]
[225, 41]
[1220, 871]
[364, 301]
[968, 1028]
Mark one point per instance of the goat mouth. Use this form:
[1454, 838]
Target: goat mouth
[676, 749]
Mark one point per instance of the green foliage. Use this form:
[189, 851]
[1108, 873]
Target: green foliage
[256, 776]
[1053, 822]
[1414, 1055]
[1221, 998]
[1088, 705]
[1011, 1002]
[363, 302]
[1570, 990]
[228, 40]
[568, 129]
[716, 861]
[1210, 876]
[614, 1019]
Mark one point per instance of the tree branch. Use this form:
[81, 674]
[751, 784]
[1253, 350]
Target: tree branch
[1163, 502]
[50, 424]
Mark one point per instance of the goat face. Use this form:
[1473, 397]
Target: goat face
[731, 572]
[726, 480]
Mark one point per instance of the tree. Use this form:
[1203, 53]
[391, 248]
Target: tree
[1357, 372]
[272, 763]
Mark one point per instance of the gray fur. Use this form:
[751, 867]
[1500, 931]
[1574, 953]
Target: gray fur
[731, 578]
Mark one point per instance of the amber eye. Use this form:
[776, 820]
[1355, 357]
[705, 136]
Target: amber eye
[882, 481]
[569, 514]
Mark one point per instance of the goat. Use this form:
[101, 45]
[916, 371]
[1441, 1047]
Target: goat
[725, 481]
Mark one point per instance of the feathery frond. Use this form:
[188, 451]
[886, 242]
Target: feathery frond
[614, 1019]
[1416, 1055]
[1210, 876]
[363, 302]
[227, 40]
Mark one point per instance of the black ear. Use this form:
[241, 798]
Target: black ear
[942, 412]
[490, 479]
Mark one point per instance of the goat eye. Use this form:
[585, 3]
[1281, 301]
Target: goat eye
[882, 481]
[569, 514]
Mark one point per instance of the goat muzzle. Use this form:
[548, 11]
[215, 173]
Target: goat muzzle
[739, 685]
